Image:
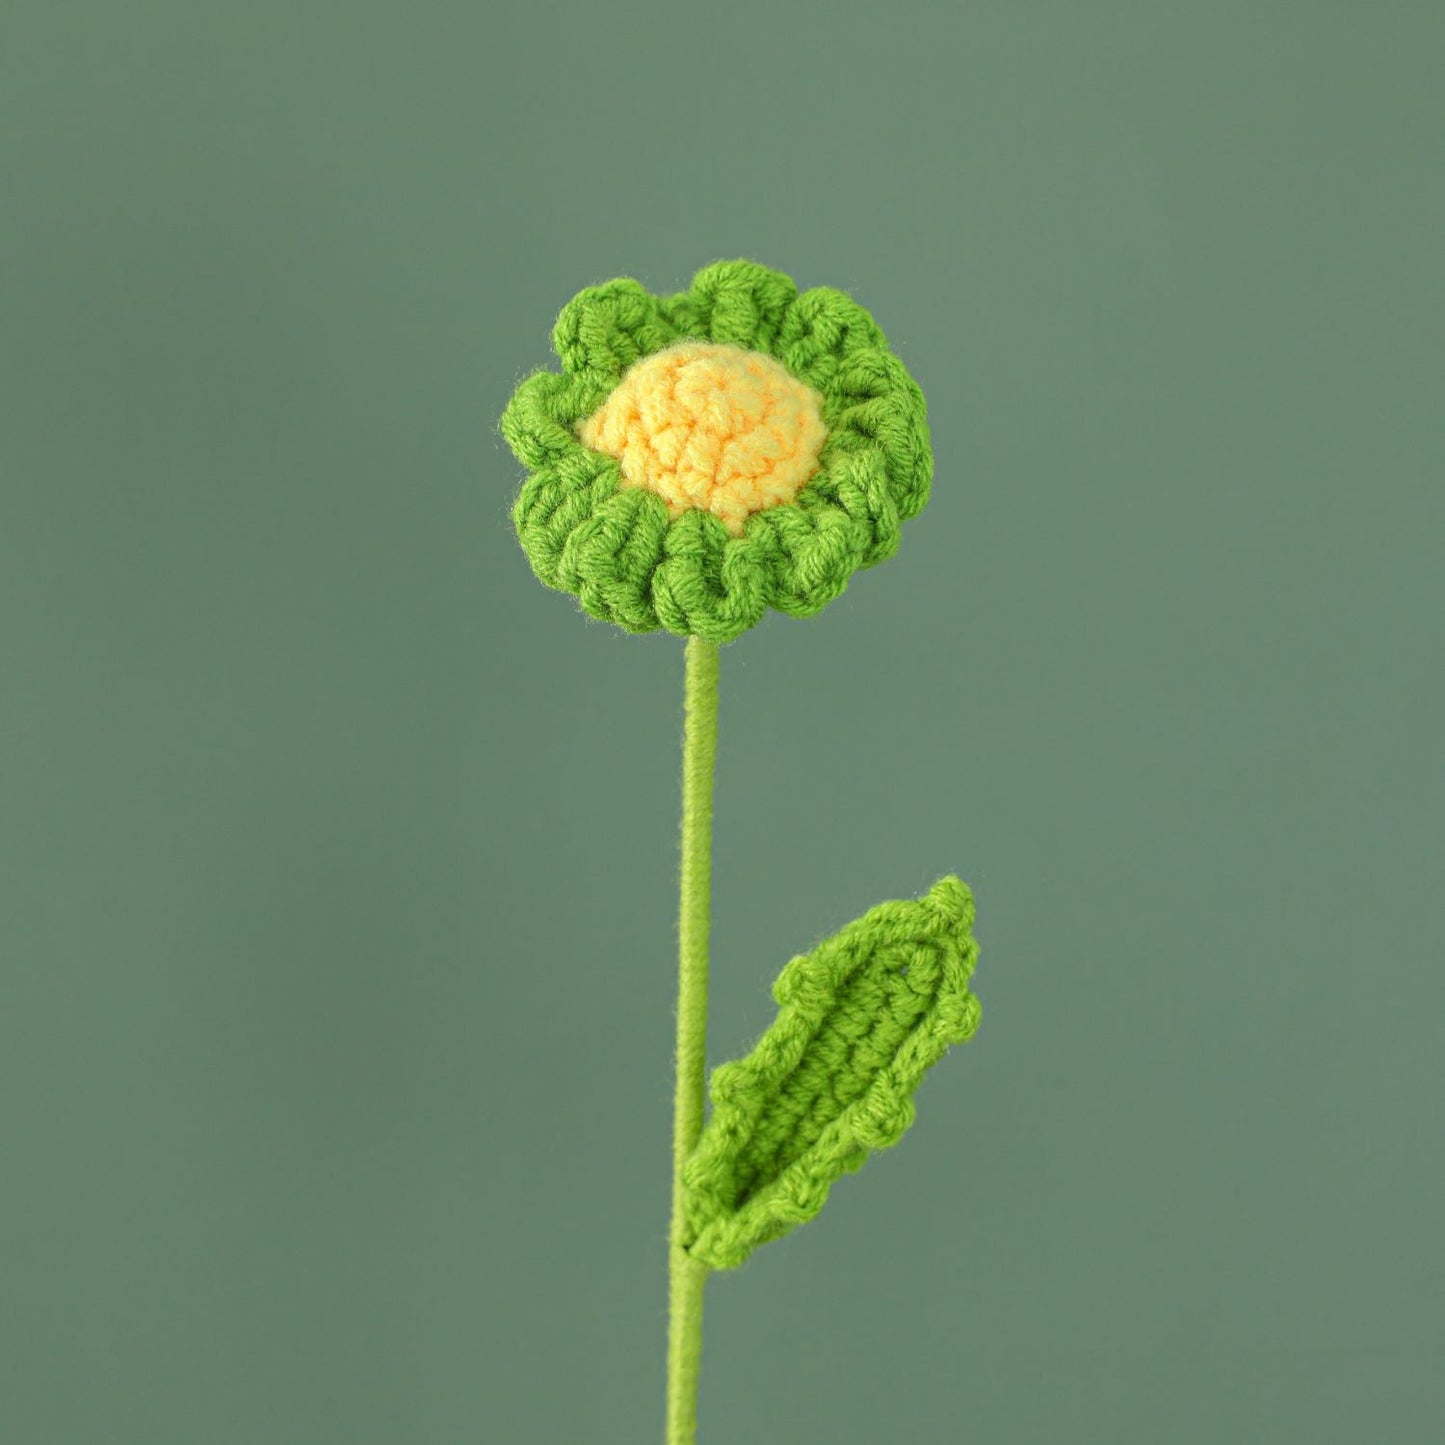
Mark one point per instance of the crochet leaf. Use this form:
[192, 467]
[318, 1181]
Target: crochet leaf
[860, 1019]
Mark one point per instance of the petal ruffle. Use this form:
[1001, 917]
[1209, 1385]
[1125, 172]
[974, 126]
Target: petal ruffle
[856, 483]
[707, 585]
[822, 329]
[614, 554]
[734, 303]
[553, 502]
[539, 420]
[808, 550]
[604, 329]
[874, 401]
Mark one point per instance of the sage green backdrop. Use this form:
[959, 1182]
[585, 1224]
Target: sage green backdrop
[338, 853]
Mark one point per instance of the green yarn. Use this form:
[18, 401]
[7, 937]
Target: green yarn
[866, 1013]
[617, 550]
[687, 1276]
[861, 1018]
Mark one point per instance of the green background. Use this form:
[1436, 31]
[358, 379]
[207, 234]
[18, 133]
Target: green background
[338, 854]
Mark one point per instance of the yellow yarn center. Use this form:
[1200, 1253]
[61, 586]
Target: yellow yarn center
[716, 428]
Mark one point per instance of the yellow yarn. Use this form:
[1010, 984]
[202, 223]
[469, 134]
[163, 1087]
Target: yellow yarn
[711, 427]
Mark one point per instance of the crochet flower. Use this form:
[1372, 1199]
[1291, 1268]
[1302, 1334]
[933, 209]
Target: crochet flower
[705, 456]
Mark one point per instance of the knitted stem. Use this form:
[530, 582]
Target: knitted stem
[686, 1277]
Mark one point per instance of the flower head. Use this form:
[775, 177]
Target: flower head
[705, 456]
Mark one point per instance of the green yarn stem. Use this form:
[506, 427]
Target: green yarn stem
[687, 1276]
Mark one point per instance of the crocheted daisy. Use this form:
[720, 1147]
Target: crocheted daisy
[705, 456]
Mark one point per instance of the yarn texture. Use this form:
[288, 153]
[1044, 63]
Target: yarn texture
[862, 1017]
[699, 459]
[687, 1277]
[714, 427]
[712, 541]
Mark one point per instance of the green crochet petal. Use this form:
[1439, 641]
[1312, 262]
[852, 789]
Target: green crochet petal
[554, 503]
[860, 1020]
[856, 482]
[604, 329]
[733, 303]
[873, 400]
[539, 420]
[614, 555]
[706, 584]
[822, 329]
[807, 550]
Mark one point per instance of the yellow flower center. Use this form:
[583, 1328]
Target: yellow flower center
[712, 427]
